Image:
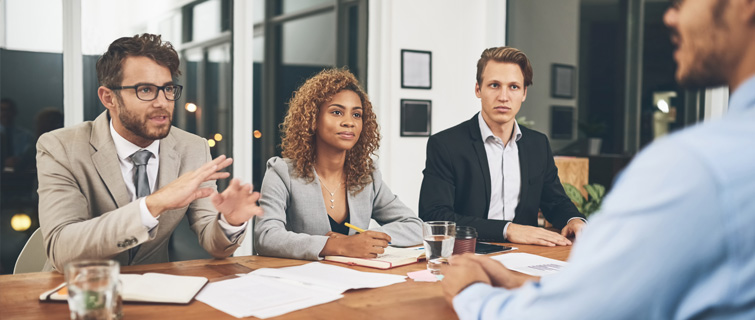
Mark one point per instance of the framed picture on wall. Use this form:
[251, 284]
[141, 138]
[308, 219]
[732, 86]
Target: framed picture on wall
[562, 123]
[415, 118]
[416, 69]
[562, 81]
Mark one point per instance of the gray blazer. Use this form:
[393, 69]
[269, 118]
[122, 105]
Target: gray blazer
[295, 220]
[85, 210]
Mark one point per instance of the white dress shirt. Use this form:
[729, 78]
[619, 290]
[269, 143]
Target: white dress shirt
[505, 176]
[125, 149]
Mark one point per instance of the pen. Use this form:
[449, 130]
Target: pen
[358, 229]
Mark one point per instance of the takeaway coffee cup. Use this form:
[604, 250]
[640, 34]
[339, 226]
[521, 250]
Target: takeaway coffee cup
[466, 238]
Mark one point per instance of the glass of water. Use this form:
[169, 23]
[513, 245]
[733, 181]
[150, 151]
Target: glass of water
[94, 289]
[439, 243]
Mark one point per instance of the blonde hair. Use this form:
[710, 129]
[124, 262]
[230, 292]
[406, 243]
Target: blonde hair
[505, 54]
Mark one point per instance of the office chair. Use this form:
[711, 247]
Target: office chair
[32, 257]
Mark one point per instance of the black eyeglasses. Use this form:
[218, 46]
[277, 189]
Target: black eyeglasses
[148, 92]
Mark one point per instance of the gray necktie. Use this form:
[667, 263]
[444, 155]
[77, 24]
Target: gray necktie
[141, 181]
[141, 185]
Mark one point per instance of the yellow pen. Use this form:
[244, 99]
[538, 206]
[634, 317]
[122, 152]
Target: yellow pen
[358, 229]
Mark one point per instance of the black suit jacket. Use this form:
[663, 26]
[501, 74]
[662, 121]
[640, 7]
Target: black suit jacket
[456, 184]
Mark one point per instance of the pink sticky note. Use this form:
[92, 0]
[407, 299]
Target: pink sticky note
[423, 276]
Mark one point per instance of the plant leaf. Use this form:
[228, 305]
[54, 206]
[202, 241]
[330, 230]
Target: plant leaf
[574, 195]
[590, 207]
[601, 191]
[591, 192]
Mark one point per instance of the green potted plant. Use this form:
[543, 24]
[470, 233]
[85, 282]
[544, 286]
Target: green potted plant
[522, 121]
[589, 205]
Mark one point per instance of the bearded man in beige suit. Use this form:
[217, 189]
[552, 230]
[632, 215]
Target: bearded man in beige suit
[101, 195]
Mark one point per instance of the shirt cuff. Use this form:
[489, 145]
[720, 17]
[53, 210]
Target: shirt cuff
[580, 218]
[148, 221]
[232, 232]
[506, 227]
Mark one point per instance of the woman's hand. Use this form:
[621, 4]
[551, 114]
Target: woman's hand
[332, 234]
[363, 245]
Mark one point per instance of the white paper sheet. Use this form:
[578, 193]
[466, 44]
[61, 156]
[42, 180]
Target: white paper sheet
[267, 292]
[334, 278]
[262, 297]
[531, 264]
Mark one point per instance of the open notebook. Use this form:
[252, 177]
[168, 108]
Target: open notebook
[391, 258]
[148, 287]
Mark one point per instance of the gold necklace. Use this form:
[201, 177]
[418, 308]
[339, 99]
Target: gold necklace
[332, 194]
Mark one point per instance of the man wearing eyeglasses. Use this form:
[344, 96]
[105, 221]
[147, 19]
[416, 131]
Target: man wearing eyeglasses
[118, 186]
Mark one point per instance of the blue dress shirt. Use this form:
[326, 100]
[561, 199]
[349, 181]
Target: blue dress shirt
[674, 239]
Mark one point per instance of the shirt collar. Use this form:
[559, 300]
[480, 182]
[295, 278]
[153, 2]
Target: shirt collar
[125, 148]
[487, 133]
[744, 96]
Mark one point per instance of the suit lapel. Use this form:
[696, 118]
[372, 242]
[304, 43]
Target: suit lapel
[169, 162]
[482, 157]
[105, 160]
[524, 154]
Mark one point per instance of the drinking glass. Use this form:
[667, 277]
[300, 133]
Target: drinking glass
[94, 289]
[439, 243]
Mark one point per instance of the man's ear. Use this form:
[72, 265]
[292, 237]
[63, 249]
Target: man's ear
[525, 94]
[107, 97]
[477, 90]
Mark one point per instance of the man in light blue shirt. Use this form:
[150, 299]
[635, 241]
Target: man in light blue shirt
[674, 239]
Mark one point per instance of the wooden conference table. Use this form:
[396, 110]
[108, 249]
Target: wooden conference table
[409, 300]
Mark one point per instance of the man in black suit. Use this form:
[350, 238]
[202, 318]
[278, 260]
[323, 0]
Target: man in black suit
[492, 174]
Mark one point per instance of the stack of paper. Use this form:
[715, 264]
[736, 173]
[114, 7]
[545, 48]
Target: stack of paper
[531, 264]
[266, 292]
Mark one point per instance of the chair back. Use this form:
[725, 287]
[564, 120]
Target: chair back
[32, 257]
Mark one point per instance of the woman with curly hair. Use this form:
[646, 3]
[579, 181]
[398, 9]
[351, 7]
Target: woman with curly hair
[327, 177]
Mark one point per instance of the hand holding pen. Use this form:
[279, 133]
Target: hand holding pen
[365, 244]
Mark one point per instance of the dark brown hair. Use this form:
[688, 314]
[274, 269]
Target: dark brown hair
[299, 126]
[505, 54]
[110, 64]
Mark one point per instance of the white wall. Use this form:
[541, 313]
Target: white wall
[456, 32]
[537, 27]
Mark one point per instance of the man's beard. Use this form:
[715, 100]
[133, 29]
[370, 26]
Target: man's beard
[133, 123]
[709, 68]
[708, 71]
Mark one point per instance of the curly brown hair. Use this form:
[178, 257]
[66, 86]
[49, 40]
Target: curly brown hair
[298, 128]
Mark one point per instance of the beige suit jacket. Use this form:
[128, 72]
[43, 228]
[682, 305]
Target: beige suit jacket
[86, 212]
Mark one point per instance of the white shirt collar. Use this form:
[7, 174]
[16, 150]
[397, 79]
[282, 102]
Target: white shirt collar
[487, 133]
[125, 148]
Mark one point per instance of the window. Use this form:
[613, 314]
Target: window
[626, 93]
[31, 80]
